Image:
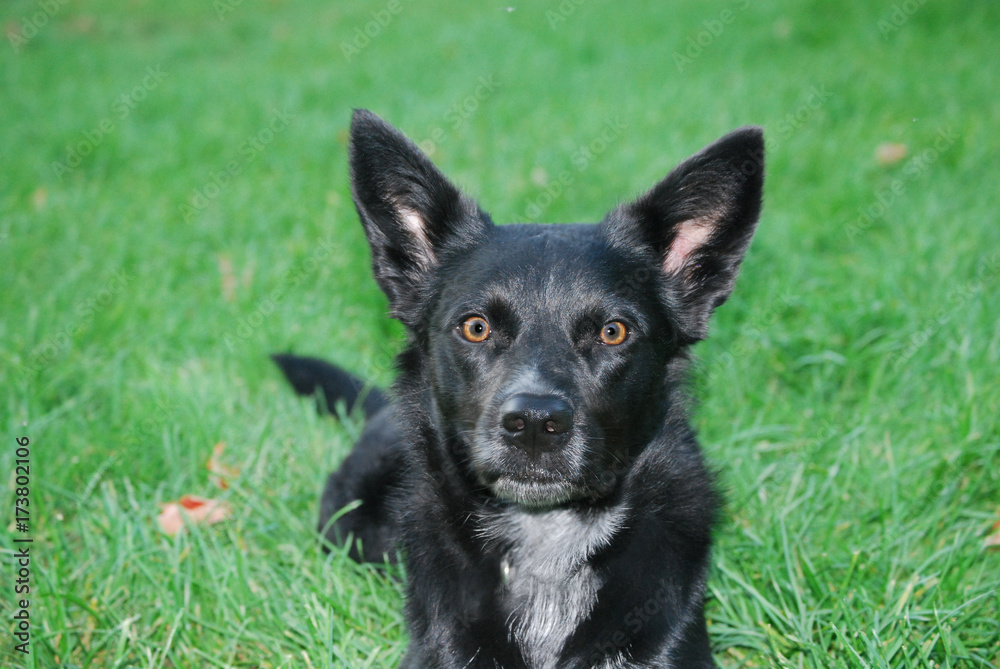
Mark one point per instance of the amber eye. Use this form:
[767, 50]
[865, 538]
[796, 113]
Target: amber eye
[475, 329]
[613, 333]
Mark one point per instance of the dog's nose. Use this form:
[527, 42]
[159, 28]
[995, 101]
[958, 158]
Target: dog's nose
[536, 423]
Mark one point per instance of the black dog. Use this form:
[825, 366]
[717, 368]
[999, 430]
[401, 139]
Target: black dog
[535, 463]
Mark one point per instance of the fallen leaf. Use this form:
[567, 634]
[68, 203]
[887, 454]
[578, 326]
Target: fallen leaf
[993, 540]
[220, 472]
[230, 282]
[228, 277]
[246, 278]
[193, 509]
[83, 24]
[890, 153]
[39, 198]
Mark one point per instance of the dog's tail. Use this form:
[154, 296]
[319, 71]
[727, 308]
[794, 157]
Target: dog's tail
[312, 377]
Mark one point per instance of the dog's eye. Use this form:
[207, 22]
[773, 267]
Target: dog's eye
[475, 329]
[613, 333]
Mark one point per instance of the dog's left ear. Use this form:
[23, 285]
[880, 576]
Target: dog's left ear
[699, 221]
[412, 215]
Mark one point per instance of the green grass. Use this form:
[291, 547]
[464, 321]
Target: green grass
[850, 386]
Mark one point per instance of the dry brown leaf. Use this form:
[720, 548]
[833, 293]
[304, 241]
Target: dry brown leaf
[83, 24]
[230, 282]
[890, 153]
[246, 278]
[228, 277]
[993, 540]
[221, 473]
[39, 198]
[194, 509]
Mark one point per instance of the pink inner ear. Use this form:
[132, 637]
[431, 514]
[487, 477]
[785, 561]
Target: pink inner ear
[417, 227]
[691, 235]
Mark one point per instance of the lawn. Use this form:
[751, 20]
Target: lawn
[174, 206]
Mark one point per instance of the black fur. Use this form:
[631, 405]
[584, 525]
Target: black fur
[544, 484]
[327, 383]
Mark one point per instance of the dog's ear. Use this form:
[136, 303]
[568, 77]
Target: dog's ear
[412, 215]
[699, 221]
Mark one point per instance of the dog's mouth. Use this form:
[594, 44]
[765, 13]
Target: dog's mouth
[534, 490]
[533, 494]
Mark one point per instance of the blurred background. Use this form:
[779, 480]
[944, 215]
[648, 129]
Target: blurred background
[174, 206]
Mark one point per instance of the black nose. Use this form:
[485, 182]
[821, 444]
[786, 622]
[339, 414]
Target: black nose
[536, 423]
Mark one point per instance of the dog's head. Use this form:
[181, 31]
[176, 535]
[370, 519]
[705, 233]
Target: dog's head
[547, 347]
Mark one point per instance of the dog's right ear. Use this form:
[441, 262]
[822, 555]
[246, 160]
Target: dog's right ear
[412, 215]
[698, 222]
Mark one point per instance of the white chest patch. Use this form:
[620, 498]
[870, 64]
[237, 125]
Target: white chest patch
[549, 585]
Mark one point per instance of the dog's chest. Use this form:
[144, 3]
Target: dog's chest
[548, 583]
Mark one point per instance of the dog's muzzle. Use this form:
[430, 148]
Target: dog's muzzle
[536, 424]
[533, 450]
